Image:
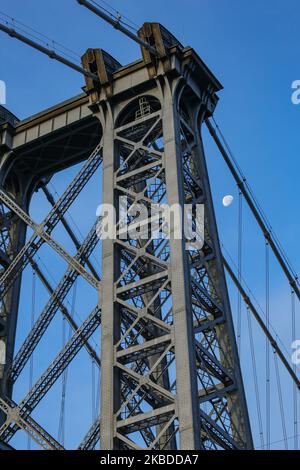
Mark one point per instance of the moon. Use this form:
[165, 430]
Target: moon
[227, 200]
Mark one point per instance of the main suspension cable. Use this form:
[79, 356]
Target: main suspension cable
[266, 331]
[35, 34]
[253, 297]
[255, 207]
[117, 14]
[116, 22]
[45, 49]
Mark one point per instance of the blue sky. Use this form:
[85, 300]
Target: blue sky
[253, 49]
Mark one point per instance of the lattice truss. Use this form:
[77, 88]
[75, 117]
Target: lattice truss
[14, 260]
[145, 388]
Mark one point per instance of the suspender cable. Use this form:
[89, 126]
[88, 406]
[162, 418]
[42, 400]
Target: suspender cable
[261, 323]
[240, 235]
[61, 431]
[280, 401]
[256, 388]
[268, 396]
[49, 52]
[295, 391]
[117, 24]
[261, 220]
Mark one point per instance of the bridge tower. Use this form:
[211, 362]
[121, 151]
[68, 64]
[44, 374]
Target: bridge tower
[168, 342]
[170, 372]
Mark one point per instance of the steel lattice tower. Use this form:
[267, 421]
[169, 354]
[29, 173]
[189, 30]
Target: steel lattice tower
[170, 373]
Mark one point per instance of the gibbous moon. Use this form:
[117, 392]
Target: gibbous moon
[227, 200]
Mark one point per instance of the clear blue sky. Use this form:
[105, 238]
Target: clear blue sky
[253, 49]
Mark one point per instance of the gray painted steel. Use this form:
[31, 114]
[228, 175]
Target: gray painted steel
[170, 373]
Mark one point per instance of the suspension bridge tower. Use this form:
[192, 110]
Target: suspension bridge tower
[170, 372]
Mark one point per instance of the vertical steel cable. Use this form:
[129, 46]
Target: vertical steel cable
[93, 392]
[295, 390]
[33, 296]
[61, 431]
[268, 416]
[280, 401]
[254, 369]
[240, 234]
